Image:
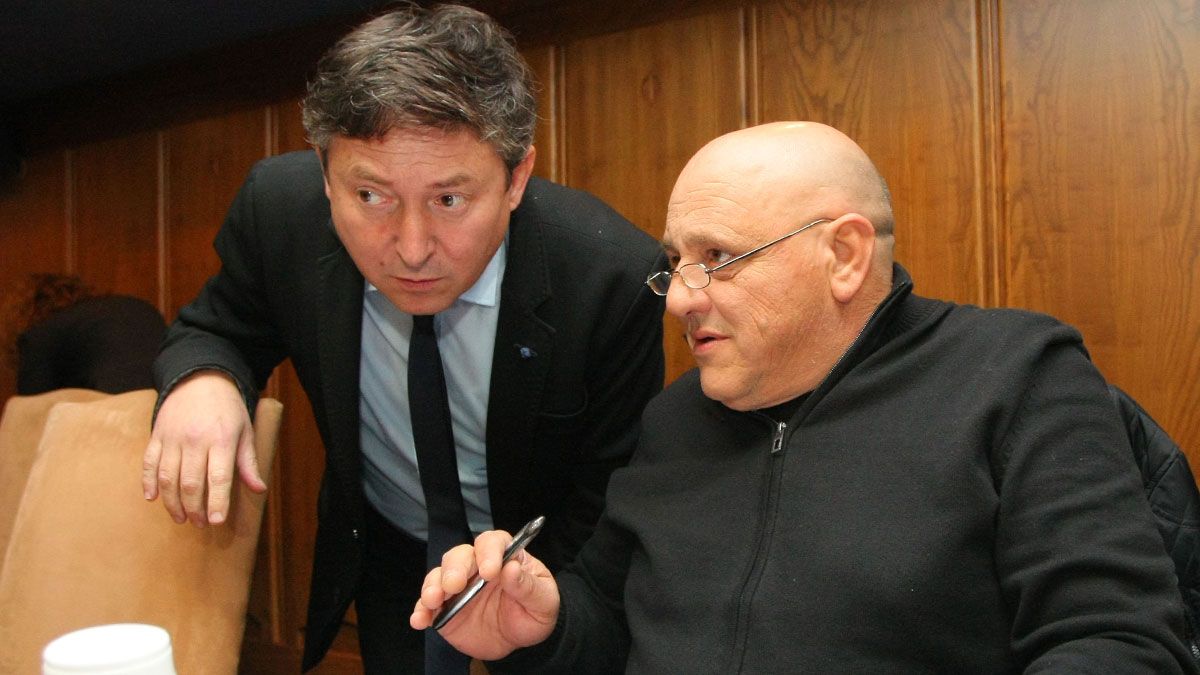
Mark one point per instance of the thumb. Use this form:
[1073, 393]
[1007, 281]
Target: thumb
[528, 583]
[247, 462]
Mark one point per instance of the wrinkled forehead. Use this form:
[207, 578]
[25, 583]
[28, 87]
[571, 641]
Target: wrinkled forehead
[727, 209]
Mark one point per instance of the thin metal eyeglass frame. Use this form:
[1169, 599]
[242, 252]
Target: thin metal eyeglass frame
[663, 278]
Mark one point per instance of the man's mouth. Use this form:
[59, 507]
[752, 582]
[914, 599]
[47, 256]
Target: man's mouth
[699, 340]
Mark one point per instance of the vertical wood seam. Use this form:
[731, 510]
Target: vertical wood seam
[274, 508]
[70, 231]
[558, 69]
[552, 114]
[162, 231]
[992, 231]
[751, 105]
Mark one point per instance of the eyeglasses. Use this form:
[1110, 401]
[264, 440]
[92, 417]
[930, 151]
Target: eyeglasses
[696, 275]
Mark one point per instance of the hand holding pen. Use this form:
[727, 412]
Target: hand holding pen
[490, 598]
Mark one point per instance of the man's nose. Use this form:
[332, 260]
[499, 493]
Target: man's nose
[683, 300]
[414, 238]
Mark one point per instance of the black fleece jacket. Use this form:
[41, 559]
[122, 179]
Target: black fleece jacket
[872, 532]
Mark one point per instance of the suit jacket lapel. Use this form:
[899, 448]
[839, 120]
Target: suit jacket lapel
[340, 292]
[523, 354]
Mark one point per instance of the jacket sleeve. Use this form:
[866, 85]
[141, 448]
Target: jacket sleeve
[591, 636]
[1080, 562]
[227, 327]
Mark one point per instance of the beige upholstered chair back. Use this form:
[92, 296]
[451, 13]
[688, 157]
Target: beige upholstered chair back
[20, 431]
[87, 549]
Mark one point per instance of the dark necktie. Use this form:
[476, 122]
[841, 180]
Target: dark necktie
[429, 410]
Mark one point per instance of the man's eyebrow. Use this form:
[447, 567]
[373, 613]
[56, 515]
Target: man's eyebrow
[453, 181]
[365, 173]
[689, 240]
[362, 172]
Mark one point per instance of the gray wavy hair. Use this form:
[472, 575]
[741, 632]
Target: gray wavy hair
[446, 67]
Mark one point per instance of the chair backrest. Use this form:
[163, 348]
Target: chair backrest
[20, 431]
[1174, 501]
[87, 549]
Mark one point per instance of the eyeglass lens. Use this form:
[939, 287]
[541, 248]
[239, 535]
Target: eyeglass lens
[694, 275]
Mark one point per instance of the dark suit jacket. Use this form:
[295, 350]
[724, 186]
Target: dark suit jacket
[578, 353]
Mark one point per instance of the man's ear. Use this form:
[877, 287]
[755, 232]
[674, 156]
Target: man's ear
[520, 178]
[853, 238]
[323, 156]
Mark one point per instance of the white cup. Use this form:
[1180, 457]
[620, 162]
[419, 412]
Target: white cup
[115, 649]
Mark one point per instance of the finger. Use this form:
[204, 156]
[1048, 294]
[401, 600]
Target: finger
[489, 552]
[247, 462]
[458, 567]
[220, 485]
[528, 581]
[421, 617]
[432, 594]
[193, 475]
[516, 578]
[168, 482]
[150, 460]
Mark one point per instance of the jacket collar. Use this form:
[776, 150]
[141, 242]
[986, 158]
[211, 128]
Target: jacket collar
[899, 311]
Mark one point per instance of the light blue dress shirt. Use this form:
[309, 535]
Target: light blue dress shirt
[466, 335]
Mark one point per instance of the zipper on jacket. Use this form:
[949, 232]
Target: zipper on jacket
[764, 536]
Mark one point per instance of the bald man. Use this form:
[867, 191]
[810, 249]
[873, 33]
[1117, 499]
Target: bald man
[855, 479]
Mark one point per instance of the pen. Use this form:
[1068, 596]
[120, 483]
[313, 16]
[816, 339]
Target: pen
[520, 539]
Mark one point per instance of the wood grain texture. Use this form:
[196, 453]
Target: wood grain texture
[638, 106]
[901, 79]
[34, 236]
[116, 214]
[207, 160]
[288, 129]
[543, 61]
[1102, 133]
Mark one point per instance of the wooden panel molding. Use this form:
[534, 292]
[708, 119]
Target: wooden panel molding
[900, 78]
[1103, 183]
[35, 238]
[116, 214]
[638, 106]
[207, 161]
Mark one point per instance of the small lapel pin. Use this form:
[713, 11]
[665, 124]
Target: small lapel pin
[526, 352]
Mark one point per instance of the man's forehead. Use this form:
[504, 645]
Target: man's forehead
[715, 212]
[702, 232]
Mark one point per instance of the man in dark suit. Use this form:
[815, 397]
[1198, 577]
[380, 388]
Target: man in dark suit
[418, 203]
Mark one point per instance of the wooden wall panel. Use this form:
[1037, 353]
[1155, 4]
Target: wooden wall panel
[206, 163]
[543, 60]
[1103, 176]
[116, 215]
[638, 104]
[289, 130]
[301, 471]
[206, 160]
[900, 79]
[33, 239]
